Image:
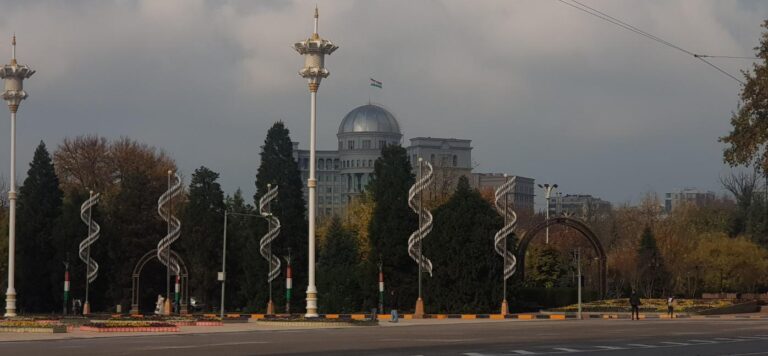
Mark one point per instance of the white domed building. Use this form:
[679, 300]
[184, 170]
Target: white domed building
[363, 132]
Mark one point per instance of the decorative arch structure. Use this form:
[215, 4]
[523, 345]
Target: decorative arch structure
[577, 225]
[183, 274]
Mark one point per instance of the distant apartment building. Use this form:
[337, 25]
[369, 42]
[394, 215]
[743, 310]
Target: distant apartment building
[687, 196]
[523, 193]
[580, 205]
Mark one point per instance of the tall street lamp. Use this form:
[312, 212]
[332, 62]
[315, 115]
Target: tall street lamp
[547, 193]
[14, 75]
[314, 50]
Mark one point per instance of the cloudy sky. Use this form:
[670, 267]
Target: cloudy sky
[541, 89]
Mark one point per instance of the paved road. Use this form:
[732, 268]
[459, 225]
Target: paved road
[601, 337]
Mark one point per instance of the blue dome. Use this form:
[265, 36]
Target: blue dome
[369, 118]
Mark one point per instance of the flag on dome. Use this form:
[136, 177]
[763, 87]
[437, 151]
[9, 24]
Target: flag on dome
[375, 83]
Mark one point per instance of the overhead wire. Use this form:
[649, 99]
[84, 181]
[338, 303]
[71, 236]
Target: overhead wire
[618, 22]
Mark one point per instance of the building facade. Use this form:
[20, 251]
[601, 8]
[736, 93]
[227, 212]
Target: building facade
[523, 192]
[344, 173]
[687, 196]
[579, 205]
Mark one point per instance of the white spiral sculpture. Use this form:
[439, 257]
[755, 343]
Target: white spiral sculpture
[510, 219]
[271, 235]
[425, 225]
[93, 235]
[163, 247]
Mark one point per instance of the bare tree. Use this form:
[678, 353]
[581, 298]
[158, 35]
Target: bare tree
[743, 186]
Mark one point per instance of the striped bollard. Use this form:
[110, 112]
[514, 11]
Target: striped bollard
[66, 290]
[381, 290]
[177, 290]
[288, 287]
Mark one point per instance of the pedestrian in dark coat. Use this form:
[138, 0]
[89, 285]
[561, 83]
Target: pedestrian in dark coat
[634, 301]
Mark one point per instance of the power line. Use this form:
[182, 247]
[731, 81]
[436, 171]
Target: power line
[613, 20]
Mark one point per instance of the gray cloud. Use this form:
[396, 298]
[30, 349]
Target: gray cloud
[542, 89]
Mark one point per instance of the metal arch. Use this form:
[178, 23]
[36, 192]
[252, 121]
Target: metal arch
[577, 225]
[136, 275]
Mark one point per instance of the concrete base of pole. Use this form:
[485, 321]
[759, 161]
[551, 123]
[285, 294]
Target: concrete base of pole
[167, 307]
[10, 304]
[87, 308]
[270, 307]
[311, 305]
[504, 307]
[419, 313]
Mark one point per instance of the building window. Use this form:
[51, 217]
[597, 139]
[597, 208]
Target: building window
[321, 164]
[432, 158]
[455, 161]
[382, 143]
[329, 190]
[336, 164]
[366, 144]
[414, 159]
[358, 163]
[370, 163]
[341, 145]
[351, 145]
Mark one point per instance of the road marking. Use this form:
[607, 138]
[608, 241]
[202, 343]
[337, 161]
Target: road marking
[565, 349]
[674, 343]
[523, 352]
[610, 347]
[202, 345]
[727, 339]
[703, 341]
[474, 354]
[642, 345]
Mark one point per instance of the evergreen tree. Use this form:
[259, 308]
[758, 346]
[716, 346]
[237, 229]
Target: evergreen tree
[337, 270]
[67, 236]
[40, 202]
[392, 223]
[202, 228]
[651, 265]
[544, 267]
[467, 271]
[130, 229]
[278, 167]
[239, 234]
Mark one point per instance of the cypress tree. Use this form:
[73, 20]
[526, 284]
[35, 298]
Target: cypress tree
[279, 167]
[467, 272]
[202, 227]
[391, 225]
[40, 202]
[337, 270]
[651, 265]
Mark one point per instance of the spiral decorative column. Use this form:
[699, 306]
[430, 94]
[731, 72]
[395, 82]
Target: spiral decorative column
[13, 75]
[265, 245]
[500, 239]
[425, 226]
[84, 251]
[314, 50]
[165, 209]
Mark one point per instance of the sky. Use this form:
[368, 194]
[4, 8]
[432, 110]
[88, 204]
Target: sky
[542, 89]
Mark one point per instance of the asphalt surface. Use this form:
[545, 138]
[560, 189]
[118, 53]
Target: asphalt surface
[600, 337]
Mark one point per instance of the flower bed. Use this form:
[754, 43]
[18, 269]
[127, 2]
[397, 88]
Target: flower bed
[129, 326]
[648, 305]
[174, 320]
[33, 326]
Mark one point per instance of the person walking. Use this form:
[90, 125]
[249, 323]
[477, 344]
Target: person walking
[671, 307]
[634, 301]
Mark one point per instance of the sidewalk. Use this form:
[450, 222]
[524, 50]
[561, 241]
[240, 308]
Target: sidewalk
[255, 325]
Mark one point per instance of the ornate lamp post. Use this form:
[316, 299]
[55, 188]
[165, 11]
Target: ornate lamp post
[14, 75]
[314, 50]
